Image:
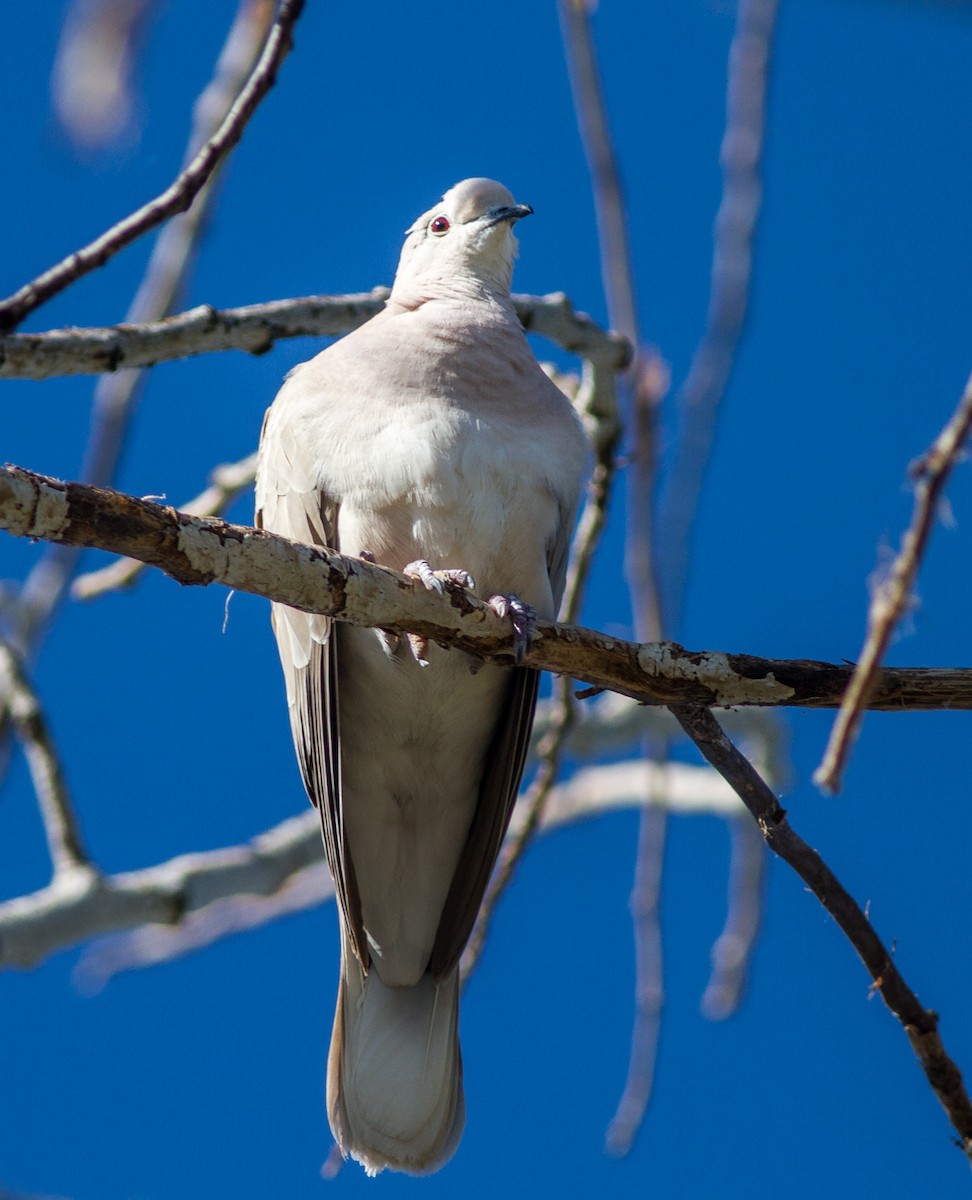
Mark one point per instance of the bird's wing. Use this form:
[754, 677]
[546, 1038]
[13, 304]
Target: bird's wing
[289, 503]
[502, 773]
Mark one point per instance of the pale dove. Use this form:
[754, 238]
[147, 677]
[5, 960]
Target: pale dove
[428, 439]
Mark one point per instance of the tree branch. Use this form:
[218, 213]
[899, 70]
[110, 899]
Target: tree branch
[199, 550]
[193, 900]
[892, 595]
[60, 823]
[919, 1023]
[256, 327]
[180, 193]
[226, 482]
[700, 396]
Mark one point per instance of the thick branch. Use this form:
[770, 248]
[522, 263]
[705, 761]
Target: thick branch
[180, 193]
[198, 550]
[256, 327]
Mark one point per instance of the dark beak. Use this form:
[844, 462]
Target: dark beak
[508, 212]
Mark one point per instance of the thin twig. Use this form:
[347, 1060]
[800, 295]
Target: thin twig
[164, 279]
[203, 550]
[732, 950]
[645, 901]
[92, 80]
[644, 392]
[64, 841]
[649, 997]
[602, 162]
[698, 402]
[180, 193]
[892, 596]
[919, 1023]
[226, 482]
[736, 222]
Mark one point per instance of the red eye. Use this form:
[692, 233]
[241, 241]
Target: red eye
[439, 226]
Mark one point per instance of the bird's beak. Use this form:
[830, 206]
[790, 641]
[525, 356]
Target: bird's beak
[507, 212]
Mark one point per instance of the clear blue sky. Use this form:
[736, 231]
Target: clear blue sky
[205, 1077]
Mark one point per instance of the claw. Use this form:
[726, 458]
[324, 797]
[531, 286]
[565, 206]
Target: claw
[390, 641]
[523, 619]
[438, 581]
[420, 648]
[368, 556]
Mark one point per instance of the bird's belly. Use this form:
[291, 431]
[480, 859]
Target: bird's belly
[494, 524]
[412, 762]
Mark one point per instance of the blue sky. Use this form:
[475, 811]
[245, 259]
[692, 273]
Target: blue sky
[205, 1076]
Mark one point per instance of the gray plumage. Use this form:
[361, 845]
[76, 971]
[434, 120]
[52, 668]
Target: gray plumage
[430, 433]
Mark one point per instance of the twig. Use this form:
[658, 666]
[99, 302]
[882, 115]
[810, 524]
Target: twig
[64, 842]
[643, 398]
[700, 395]
[179, 906]
[892, 595]
[226, 482]
[91, 83]
[649, 994]
[180, 193]
[256, 327]
[613, 723]
[919, 1023]
[202, 550]
[592, 121]
[650, 384]
[165, 275]
[733, 948]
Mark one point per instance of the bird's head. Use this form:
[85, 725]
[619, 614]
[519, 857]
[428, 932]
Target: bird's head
[466, 237]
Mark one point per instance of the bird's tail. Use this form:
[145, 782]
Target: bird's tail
[394, 1073]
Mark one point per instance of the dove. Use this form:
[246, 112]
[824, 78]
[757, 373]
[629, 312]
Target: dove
[429, 441]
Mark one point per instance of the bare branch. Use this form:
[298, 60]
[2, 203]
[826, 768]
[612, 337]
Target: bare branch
[892, 595]
[733, 948]
[79, 903]
[201, 898]
[649, 992]
[644, 394]
[91, 83]
[919, 1023]
[180, 193]
[256, 327]
[700, 395]
[226, 482]
[199, 550]
[172, 255]
[60, 824]
[602, 162]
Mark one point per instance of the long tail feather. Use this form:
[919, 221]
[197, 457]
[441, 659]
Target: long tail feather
[394, 1078]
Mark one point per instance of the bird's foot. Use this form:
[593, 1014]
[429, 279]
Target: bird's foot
[435, 581]
[419, 647]
[438, 581]
[522, 617]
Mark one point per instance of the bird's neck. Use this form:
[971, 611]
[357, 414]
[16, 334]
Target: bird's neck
[481, 291]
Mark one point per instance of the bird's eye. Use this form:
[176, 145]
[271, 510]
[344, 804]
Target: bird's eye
[439, 226]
